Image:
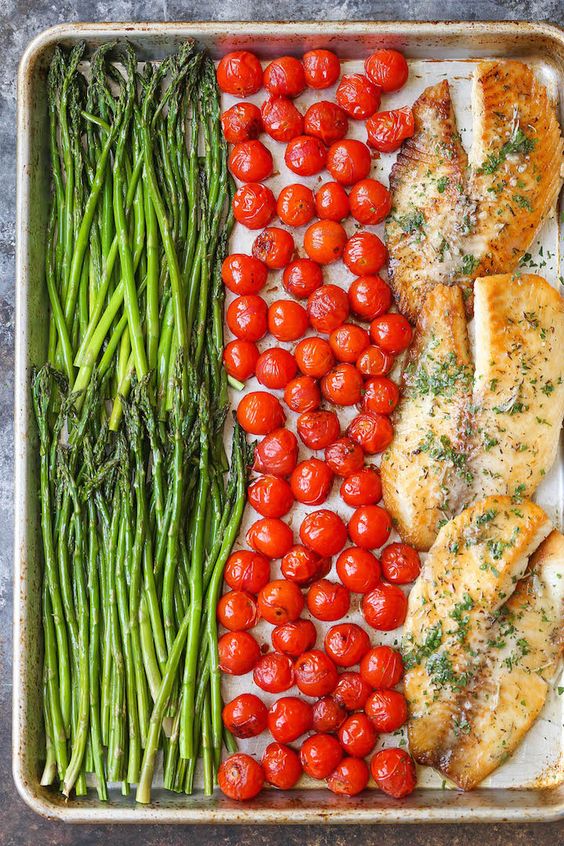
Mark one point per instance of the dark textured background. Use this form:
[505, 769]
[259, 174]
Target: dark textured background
[20, 20]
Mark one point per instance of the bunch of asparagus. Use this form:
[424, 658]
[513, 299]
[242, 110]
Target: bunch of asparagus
[138, 510]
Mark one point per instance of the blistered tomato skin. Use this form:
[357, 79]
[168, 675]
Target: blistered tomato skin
[280, 602]
[320, 754]
[281, 765]
[374, 362]
[254, 205]
[358, 96]
[324, 532]
[302, 277]
[311, 482]
[289, 718]
[328, 601]
[381, 395]
[391, 332]
[348, 161]
[322, 68]
[242, 122]
[314, 357]
[274, 672]
[393, 770]
[274, 246]
[275, 367]
[281, 119]
[387, 130]
[247, 317]
[400, 563]
[324, 241]
[370, 527]
[351, 692]
[328, 308]
[387, 69]
[358, 736]
[381, 667]
[370, 202]
[240, 777]
[295, 205]
[348, 342]
[385, 607]
[373, 432]
[365, 254]
[369, 297]
[342, 385]
[270, 496]
[302, 394]
[250, 161]
[318, 429]
[294, 638]
[346, 644]
[240, 359]
[332, 202]
[271, 537]
[328, 714]
[364, 487]
[238, 653]
[305, 155]
[358, 569]
[316, 674]
[239, 73]
[277, 453]
[344, 457]
[245, 716]
[260, 413]
[284, 77]
[287, 320]
[244, 274]
[349, 777]
[237, 611]
[302, 566]
[387, 709]
[247, 570]
[326, 121]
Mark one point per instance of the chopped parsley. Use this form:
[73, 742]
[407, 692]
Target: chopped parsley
[522, 201]
[411, 222]
[442, 184]
[437, 378]
[469, 265]
[414, 655]
[461, 619]
[519, 143]
[443, 450]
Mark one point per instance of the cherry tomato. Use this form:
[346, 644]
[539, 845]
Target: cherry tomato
[284, 77]
[281, 765]
[302, 394]
[400, 563]
[242, 122]
[271, 537]
[260, 413]
[344, 457]
[364, 253]
[238, 653]
[305, 155]
[324, 532]
[328, 601]
[358, 96]
[362, 488]
[237, 611]
[274, 246]
[348, 341]
[287, 320]
[374, 362]
[247, 317]
[294, 638]
[274, 672]
[280, 602]
[318, 429]
[275, 367]
[326, 121]
[387, 130]
[245, 716]
[302, 277]
[381, 667]
[316, 675]
[387, 69]
[327, 308]
[348, 161]
[351, 691]
[393, 771]
[295, 206]
[349, 778]
[391, 332]
[358, 569]
[342, 385]
[289, 718]
[239, 73]
[324, 241]
[321, 67]
[358, 736]
[277, 453]
[240, 777]
[243, 274]
[370, 527]
[254, 205]
[332, 202]
[250, 161]
[328, 714]
[346, 643]
[385, 607]
[370, 202]
[381, 395]
[270, 496]
[320, 754]
[387, 709]
[281, 119]
[247, 570]
[311, 482]
[369, 297]
[240, 359]
[303, 566]
[314, 357]
[373, 432]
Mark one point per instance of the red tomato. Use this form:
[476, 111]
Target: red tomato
[324, 532]
[381, 667]
[370, 527]
[274, 246]
[302, 394]
[320, 754]
[246, 570]
[245, 716]
[327, 308]
[369, 297]
[385, 607]
[342, 385]
[324, 241]
[280, 602]
[326, 121]
[348, 341]
[289, 718]
[364, 253]
[277, 453]
[391, 332]
[305, 155]
[239, 73]
[358, 569]
[254, 205]
[302, 277]
[400, 563]
[314, 357]
[237, 611]
[318, 429]
[240, 777]
[281, 119]
[287, 320]
[316, 675]
[374, 362]
[281, 765]
[247, 317]
[294, 638]
[303, 566]
[344, 457]
[370, 202]
[349, 778]
[295, 205]
[328, 714]
[358, 96]
[242, 122]
[274, 672]
[351, 691]
[275, 367]
[270, 496]
[238, 653]
[284, 77]
[240, 359]
[373, 432]
[387, 69]
[381, 395]
[346, 643]
[243, 274]
[260, 413]
[362, 488]
[393, 771]
[328, 601]
[250, 161]
[348, 161]
[311, 481]
[387, 709]
[321, 67]
[387, 130]
[271, 537]
[332, 202]
[358, 736]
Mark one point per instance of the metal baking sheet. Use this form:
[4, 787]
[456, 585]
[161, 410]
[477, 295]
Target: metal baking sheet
[527, 787]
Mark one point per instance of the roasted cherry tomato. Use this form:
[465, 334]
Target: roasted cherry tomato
[237, 611]
[387, 709]
[311, 481]
[348, 341]
[385, 607]
[321, 67]
[270, 496]
[247, 317]
[274, 246]
[275, 367]
[342, 385]
[320, 754]
[243, 274]
[381, 395]
[370, 527]
[318, 429]
[324, 241]
[240, 359]
[281, 119]
[327, 308]
[294, 638]
[305, 155]
[324, 532]
[271, 537]
[370, 202]
[391, 332]
[346, 643]
[240, 777]
[363, 487]
[239, 73]
[284, 77]
[280, 602]
[374, 362]
[238, 653]
[348, 161]
[247, 570]
[287, 320]
[400, 563]
[332, 202]
[316, 675]
[328, 714]
[274, 672]
[314, 357]
[302, 277]
[302, 394]
[296, 205]
[260, 413]
[369, 297]
[352, 691]
[242, 122]
[393, 771]
[387, 130]
[281, 765]
[289, 718]
[387, 69]
[344, 457]
[364, 253]
[245, 716]
[358, 569]
[381, 667]
[277, 453]
[358, 736]
[250, 161]
[254, 205]
[328, 601]
[349, 778]
[373, 432]
[326, 121]
[358, 96]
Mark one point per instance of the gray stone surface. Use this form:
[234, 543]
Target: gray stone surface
[20, 20]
